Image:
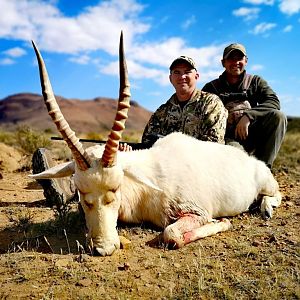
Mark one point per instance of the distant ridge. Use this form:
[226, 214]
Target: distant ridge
[84, 116]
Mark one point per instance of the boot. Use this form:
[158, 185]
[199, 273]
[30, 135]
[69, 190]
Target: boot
[56, 191]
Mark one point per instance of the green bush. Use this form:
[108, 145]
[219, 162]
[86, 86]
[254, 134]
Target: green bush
[7, 137]
[29, 140]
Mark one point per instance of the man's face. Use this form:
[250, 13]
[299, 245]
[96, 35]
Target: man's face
[235, 63]
[184, 78]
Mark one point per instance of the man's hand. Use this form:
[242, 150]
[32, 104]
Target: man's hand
[124, 147]
[241, 130]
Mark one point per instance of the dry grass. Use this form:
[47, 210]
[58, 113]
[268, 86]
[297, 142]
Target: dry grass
[257, 259]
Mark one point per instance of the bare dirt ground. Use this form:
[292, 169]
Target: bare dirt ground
[257, 259]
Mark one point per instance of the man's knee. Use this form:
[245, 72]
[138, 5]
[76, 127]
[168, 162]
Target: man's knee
[273, 121]
[278, 117]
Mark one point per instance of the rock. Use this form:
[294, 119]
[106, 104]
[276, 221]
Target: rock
[256, 243]
[125, 243]
[84, 282]
[124, 267]
[63, 263]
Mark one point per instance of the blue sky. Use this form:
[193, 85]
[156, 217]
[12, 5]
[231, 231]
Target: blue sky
[79, 42]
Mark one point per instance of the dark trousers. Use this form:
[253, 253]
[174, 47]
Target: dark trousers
[265, 136]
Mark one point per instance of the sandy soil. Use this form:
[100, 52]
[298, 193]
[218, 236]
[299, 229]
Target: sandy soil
[257, 259]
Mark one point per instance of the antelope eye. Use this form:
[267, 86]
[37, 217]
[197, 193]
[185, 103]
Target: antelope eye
[88, 204]
[86, 200]
[109, 197]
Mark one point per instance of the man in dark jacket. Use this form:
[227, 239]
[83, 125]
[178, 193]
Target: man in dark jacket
[255, 121]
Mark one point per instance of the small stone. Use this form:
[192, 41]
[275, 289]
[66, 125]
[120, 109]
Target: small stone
[124, 243]
[124, 267]
[63, 263]
[292, 242]
[83, 258]
[272, 239]
[288, 203]
[84, 282]
[256, 243]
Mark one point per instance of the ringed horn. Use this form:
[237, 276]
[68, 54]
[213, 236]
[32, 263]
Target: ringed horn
[109, 155]
[81, 157]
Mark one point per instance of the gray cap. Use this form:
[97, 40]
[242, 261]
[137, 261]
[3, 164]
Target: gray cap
[181, 59]
[233, 47]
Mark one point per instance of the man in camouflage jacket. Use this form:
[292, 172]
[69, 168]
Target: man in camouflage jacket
[262, 126]
[190, 111]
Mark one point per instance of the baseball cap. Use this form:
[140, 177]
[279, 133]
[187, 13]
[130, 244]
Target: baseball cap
[233, 47]
[181, 59]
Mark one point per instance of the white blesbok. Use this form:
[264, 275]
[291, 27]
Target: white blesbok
[181, 184]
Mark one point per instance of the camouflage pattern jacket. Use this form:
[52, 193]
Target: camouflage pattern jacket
[203, 117]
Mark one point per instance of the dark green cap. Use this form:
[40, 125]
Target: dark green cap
[233, 47]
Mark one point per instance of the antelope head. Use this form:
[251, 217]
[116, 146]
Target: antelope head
[97, 176]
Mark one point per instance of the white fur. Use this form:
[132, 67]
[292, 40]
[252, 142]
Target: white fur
[178, 175]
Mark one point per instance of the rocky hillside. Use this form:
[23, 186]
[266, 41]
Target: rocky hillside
[94, 115]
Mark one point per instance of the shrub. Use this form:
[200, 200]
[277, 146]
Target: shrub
[7, 137]
[29, 140]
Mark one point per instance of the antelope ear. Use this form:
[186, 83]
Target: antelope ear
[59, 171]
[136, 174]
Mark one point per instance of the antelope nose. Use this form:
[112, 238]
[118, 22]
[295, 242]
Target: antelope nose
[97, 251]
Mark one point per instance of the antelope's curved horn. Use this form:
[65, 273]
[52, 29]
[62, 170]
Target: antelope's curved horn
[111, 147]
[80, 156]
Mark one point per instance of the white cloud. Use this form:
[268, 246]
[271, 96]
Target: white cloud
[258, 2]
[189, 22]
[247, 13]
[263, 28]
[256, 67]
[88, 31]
[81, 59]
[15, 52]
[159, 53]
[210, 56]
[22, 18]
[6, 61]
[288, 28]
[137, 71]
[289, 7]
[97, 27]
[208, 75]
[143, 61]
[162, 53]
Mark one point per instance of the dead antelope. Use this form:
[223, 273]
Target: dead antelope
[180, 184]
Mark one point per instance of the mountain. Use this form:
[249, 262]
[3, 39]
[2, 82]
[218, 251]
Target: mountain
[84, 116]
